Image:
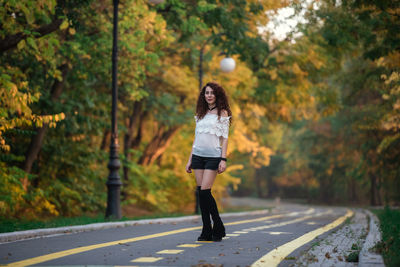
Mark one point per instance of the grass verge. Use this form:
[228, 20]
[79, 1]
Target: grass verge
[389, 247]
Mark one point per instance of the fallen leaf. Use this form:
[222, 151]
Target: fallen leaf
[327, 255]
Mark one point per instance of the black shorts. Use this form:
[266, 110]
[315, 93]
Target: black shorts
[208, 163]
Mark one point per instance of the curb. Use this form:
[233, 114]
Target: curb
[367, 258]
[28, 234]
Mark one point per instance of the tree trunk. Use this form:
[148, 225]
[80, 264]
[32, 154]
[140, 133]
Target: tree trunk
[379, 191]
[271, 187]
[37, 140]
[326, 192]
[157, 145]
[257, 179]
[136, 142]
[106, 138]
[373, 189]
[134, 121]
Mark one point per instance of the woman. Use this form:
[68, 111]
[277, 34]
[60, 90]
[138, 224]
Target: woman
[208, 156]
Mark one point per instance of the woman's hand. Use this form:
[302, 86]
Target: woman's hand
[222, 166]
[188, 167]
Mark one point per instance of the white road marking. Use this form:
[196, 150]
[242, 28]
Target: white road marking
[232, 235]
[189, 245]
[277, 233]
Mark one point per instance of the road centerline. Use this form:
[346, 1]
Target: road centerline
[69, 252]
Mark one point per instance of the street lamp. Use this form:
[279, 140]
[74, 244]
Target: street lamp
[227, 64]
[114, 182]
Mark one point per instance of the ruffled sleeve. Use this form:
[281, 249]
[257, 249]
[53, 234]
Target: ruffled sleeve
[223, 127]
[213, 125]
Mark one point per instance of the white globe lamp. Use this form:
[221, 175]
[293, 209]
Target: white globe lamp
[227, 64]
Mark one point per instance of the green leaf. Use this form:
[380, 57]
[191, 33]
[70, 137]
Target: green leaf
[32, 43]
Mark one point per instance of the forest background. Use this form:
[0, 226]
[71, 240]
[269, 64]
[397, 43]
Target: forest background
[316, 116]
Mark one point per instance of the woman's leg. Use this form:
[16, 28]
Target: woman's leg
[218, 230]
[208, 179]
[198, 173]
[206, 232]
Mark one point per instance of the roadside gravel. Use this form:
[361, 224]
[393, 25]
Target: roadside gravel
[347, 246]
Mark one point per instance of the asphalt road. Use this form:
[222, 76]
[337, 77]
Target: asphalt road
[269, 239]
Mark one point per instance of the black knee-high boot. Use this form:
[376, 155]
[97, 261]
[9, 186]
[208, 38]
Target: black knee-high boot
[197, 208]
[218, 231]
[206, 233]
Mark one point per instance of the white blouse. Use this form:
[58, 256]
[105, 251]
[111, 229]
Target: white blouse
[209, 134]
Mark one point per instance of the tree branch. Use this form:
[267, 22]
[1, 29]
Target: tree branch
[11, 41]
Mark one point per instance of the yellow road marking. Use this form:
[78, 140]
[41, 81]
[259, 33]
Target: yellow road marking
[189, 246]
[73, 251]
[147, 259]
[170, 251]
[274, 257]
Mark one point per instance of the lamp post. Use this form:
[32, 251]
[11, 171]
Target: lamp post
[114, 182]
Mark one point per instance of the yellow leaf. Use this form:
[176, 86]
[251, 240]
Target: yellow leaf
[64, 25]
[21, 45]
[273, 74]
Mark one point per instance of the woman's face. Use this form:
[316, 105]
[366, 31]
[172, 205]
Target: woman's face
[209, 95]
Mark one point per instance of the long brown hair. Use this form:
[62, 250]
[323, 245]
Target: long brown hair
[221, 100]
